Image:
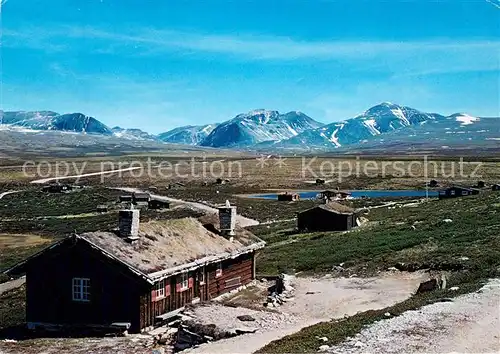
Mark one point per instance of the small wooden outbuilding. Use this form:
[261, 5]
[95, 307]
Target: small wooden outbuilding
[288, 197]
[126, 198]
[456, 191]
[327, 217]
[141, 198]
[432, 183]
[58, 188]
[102, 208]
[156, 204]
[495, 187]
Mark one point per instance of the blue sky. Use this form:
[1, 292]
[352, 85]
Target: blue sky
[158, 64]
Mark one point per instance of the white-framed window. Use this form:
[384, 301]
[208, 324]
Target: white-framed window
[218, 270]
[81, 289]
[184, 281]
[160, 289]
[452, 192]
[202, 276]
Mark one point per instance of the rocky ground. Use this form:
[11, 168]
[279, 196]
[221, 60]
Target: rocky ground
[468, 324]
[137, 344]
[315, 300]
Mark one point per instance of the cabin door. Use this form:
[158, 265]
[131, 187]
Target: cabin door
[196, 285]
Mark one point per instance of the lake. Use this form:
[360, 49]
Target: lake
[417, 193]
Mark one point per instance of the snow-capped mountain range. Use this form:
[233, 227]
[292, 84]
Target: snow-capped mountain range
[48, 120]
[270, 130]
[258, 126]
[377, 120]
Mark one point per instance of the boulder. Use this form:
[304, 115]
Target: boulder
[246, 318]
[429, 285]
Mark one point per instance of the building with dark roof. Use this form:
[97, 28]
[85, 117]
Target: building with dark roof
[456, 191]
[327, 217]
[134, 278]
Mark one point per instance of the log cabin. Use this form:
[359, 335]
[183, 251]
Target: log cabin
[136, 277]
[331, 216]
[288, 197]
[456, 191]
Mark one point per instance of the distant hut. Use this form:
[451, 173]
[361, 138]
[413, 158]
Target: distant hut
[156, 204]
[102, 209]
[288, 197]
[320, 181]
[221, 181]
[456, 191]
[176, 185]
[58, 188]
[153, 189]
[334, 195]
[327, 217]
[432, 183]
[495, 187]
[140, 199]
[480, 184]
[126, 198]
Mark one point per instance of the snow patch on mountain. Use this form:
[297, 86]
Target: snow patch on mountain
[258, 126]
[465, 119]
[188, 135]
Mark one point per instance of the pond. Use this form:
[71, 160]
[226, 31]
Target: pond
[417, 193]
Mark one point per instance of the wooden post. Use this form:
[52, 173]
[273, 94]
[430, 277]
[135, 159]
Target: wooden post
[253, 266]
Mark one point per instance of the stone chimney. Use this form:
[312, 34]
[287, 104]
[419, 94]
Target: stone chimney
[128, 222]
[227, 219]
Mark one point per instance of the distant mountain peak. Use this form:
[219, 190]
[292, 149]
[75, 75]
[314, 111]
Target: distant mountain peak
[257, 126]
[188, 134]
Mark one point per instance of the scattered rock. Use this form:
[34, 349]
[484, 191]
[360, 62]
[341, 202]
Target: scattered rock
[387, 314]
[464, 258]
[338, 269]
[426, 286]
[392, 269]
[324, 339]
[447, 220]
[311, 292]
[454, 288]
[246, 318]
[359, 344]
[323, 348]
[245, 330]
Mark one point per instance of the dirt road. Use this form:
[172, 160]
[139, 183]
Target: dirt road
[317, 300]
[7, 193]
[241, 220]
[45, 180]
[9, 285]
[468, 324]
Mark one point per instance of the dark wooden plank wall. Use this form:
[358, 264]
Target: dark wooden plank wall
[235, 273]
[114, 293]
[241, 267]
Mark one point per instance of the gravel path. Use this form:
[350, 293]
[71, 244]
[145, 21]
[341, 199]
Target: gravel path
[12, 284]
[45, 180]
[469, 324]
[7, 193]
[316, 300]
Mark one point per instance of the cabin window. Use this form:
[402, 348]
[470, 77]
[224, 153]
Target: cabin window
[452, 192]
[465, 193]
[218, 270]
[202, 277]
[81, 289]
[184, 281]
[160, 289]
